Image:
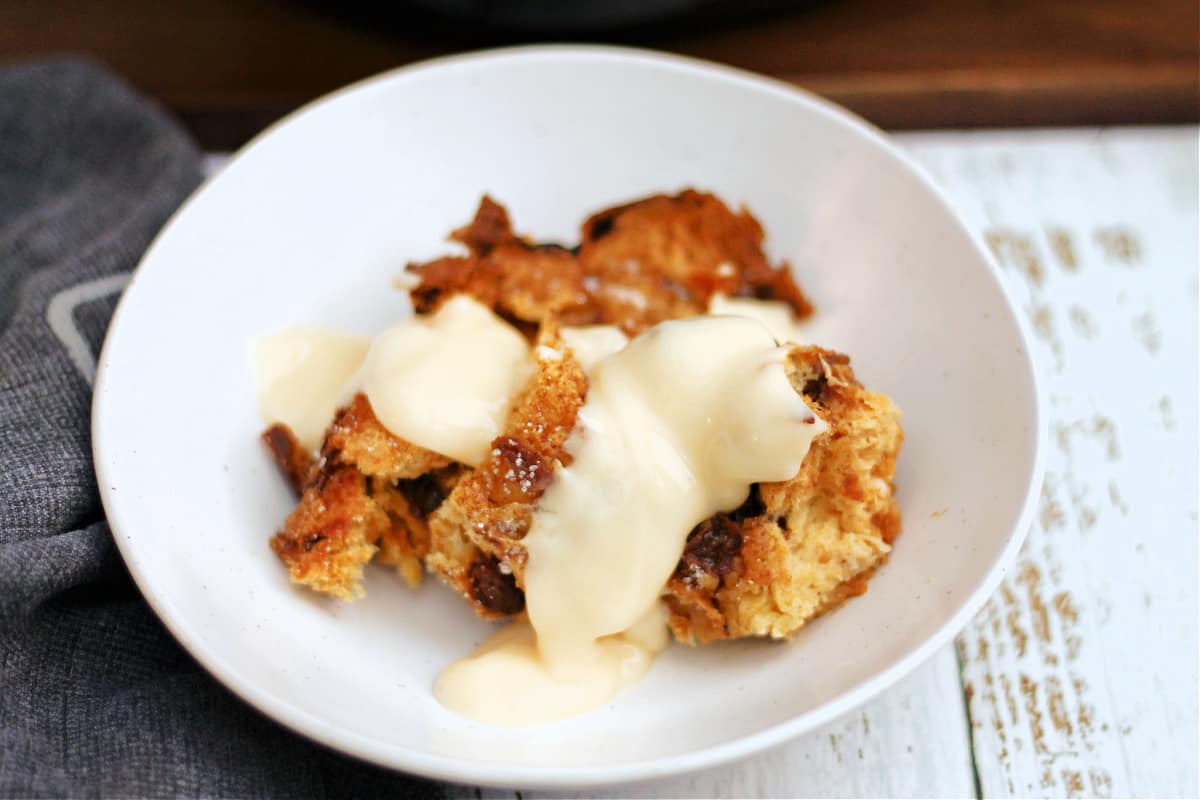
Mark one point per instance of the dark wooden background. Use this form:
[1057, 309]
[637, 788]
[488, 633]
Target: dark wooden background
[229, 67]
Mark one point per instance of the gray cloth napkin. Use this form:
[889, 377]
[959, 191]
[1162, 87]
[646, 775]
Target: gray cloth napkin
[96, 698]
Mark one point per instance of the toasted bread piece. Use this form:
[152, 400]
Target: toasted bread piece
[792, 550]
[476, 533]
[369, 492]
[638, 264]
[292, 459]
[797, 548]
[664, 257]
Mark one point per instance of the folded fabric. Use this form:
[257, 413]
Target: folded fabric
[96, 698]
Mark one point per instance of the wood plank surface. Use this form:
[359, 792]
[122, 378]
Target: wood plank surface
[228, 67]
[1082, 671]
[909, 742]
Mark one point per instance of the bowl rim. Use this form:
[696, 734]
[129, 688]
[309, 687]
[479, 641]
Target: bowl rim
[487, 774]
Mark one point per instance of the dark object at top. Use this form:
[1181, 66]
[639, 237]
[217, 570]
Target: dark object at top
[583, 16]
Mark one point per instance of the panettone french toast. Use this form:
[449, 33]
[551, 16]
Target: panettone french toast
[790, 551]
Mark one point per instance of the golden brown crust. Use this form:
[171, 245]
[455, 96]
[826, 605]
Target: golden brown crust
[331, 534]
[809, 543]
[664, 257]
[359, 439]
[489, 229]
[369, 492]
[659, 258]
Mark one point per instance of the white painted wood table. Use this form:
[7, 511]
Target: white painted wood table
[1079, 677]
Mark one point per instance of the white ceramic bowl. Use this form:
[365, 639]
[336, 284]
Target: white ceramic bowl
[310, 222]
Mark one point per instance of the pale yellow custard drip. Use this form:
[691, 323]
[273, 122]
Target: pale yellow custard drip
[775, 314]
[302, 376]
[505, 681]
[675, 427]
[444, 381]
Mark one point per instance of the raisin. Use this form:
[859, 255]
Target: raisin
[713, 546]
[602, 226]
[493, 589]
[425, 298]
[518, 474]
[816, 388]
[424, 494]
